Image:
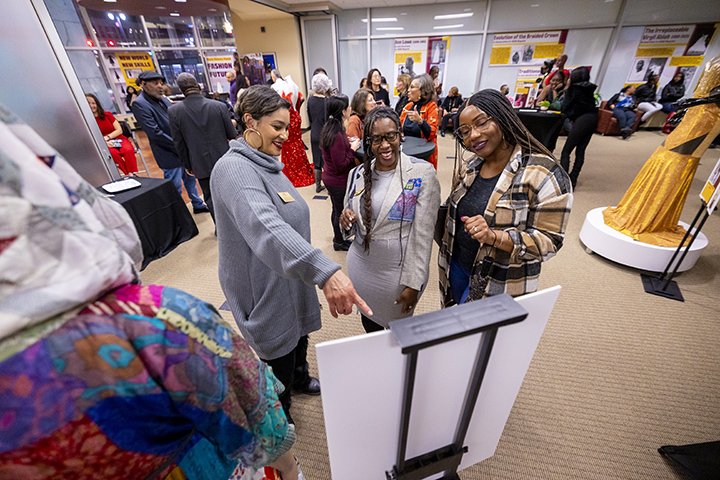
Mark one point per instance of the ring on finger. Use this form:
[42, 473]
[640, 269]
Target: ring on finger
[474, 229]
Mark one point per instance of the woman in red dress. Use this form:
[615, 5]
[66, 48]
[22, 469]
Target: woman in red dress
[297, 166]
[121, 149]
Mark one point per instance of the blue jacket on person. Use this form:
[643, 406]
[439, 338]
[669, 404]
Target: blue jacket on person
[152, 116]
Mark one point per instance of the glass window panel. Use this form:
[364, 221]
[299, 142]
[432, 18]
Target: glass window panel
[173, 63]
[67, 22]
[215, 31]
[116, 29]
[170, 31]
[532, 15]
[352, 56]
[351, 24]
[88, 70]
[435, 19]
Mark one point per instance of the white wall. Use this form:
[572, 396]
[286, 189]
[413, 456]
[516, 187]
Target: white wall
[463, 64]
[353, 64]
[621, 60]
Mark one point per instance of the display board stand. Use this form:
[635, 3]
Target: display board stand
[416, 334]
[664, 285]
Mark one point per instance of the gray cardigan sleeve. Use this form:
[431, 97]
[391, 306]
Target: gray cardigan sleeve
[270, 238]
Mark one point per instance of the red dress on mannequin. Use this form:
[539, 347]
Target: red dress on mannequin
[297, 167]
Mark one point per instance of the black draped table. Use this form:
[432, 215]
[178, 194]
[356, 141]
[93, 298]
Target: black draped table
[161, 218]
[412, 147]
[545, 125]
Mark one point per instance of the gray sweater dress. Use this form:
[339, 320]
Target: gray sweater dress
[268, 268]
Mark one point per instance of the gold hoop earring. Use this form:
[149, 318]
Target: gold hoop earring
[247, 140]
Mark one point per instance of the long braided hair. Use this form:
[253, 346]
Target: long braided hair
[496, 105]
[374, 115]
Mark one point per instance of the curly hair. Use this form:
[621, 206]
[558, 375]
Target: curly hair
[376, 114]
[259, 101]
[321, 83]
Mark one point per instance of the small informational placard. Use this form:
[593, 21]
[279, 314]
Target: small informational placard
[711, 191]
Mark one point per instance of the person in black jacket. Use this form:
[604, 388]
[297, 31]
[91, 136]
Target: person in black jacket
[672, 92]
[646, 98]
[374, 83]
[449, 108]
[201, 129]
[580, 120]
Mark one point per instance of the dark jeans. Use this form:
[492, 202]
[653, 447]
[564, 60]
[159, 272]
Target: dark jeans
[337, 197]
[207, 195]
[625, 117]
[292, 370]
[447, 118]
[369, 325]
[578, 139]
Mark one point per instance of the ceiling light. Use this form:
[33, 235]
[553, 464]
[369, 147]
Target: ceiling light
[181, 1]
[445, 27]
[381, 19]
[535, 5]
[123, 17]
[174, 14]
[453, 15]
[110, 1]
[389, 28]
[160, 8]
[111, 16]
[212, 9]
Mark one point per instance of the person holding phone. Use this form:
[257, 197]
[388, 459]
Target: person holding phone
[374, 83]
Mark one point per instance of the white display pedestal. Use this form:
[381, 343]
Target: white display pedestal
[613, 245]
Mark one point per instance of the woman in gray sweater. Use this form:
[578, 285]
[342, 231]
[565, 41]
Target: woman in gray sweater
[268, 268]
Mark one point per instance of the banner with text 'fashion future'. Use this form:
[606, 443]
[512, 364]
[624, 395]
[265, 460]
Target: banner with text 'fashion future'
[218, 65]
[527, 48]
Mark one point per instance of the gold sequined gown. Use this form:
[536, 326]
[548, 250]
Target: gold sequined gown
[650, 209]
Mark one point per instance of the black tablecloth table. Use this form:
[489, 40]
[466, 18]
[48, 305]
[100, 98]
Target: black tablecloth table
[160, 216]
[543, 125]
[411, 146]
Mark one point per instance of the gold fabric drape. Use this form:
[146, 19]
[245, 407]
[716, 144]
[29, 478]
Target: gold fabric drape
[650, 209]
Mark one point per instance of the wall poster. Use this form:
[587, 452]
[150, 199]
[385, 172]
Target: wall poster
[437, 52]
[667, 50]
[526, 86]
[218, 65]
[253, 66]
[527, 48]
[411, 55]
[133, 64]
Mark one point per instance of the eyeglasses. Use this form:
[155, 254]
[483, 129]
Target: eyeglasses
[390, 137]
[481, 124]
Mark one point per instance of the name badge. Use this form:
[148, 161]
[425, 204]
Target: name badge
[286, 197]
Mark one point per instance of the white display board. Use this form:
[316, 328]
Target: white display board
[362, 379]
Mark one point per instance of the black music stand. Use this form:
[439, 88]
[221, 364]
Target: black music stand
[417, 333]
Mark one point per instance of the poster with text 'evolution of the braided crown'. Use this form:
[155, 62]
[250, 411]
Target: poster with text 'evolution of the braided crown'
[527, 48]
